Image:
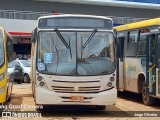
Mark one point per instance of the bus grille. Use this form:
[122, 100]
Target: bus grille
[76, 89]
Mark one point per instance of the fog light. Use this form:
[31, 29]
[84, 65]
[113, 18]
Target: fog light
[41, 84]
[112, 79]
[109, 84]
[39, 78]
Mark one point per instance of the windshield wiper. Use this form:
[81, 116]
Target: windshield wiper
[70, 47]
[89, 39]
[62, 38]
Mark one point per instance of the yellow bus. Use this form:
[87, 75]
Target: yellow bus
[73, 61]
[6, 56]
[138, 46]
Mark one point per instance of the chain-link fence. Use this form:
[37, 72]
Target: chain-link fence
[30, 15]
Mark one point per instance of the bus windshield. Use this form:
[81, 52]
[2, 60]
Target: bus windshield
[76, 53]
[1, 50]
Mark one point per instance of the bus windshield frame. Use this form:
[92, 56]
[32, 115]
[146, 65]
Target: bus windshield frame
[75, 23]
[71, 43]
[1, 49]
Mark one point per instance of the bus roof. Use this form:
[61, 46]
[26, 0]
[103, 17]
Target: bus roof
[141, 24]
[74, 15]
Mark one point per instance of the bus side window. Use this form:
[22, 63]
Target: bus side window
[142, 42]
[10, 51]
[152, 49]
[132, 44]
[158, 42]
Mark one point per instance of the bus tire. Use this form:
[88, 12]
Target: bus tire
[100, 107]
[147, 100]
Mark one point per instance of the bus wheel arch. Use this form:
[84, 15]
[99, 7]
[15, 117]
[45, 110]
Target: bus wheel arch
[147, 100]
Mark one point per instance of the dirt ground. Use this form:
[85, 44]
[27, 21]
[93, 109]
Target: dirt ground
[128, 105]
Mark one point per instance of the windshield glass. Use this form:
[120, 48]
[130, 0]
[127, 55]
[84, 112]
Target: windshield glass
[76, 54]
[1, 50]
[26, 63]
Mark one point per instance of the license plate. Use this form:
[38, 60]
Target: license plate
[77, 98]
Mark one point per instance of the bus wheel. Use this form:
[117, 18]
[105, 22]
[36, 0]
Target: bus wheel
[100, 107]
[147, 100]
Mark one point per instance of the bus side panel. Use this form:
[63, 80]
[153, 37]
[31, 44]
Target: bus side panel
[133, 68]
[3, 72]
[120, 60]
[33, 58]
[120, 76]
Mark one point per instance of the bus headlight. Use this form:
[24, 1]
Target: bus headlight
[41, 83]
[111, 79]
[109, 84]
[39, 78]
[2, 90]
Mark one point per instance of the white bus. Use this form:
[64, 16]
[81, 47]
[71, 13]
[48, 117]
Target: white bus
[73, 61]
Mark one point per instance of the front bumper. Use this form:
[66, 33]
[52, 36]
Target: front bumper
[47, 97]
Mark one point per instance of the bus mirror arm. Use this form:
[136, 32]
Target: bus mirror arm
[34, 35]
[115, 32]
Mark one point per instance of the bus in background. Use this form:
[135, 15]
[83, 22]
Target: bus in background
[6, 55]
[138, 48]
[73, 61]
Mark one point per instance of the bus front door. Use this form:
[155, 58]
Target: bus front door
[158, 66]
[151, 65]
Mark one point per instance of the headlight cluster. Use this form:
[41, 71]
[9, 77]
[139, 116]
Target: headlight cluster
[41, 82]
[111, 80]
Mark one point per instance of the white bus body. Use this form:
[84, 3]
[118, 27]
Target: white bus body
[73, 61]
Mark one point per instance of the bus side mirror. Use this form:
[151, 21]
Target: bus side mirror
[115, 33]
[34, 35]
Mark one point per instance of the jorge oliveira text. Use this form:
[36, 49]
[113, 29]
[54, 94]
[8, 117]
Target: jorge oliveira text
[145, 114]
